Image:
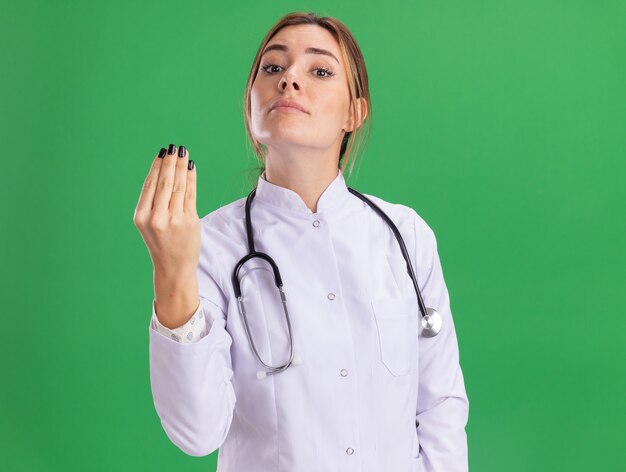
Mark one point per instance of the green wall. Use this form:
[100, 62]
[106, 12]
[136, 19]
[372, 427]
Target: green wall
[501, 122]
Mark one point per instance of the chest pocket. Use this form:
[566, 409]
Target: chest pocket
[397, 322]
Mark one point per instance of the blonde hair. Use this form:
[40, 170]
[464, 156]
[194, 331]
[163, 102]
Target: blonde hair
[357, 83]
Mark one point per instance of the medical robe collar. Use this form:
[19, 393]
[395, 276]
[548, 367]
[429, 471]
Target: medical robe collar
[285, 198]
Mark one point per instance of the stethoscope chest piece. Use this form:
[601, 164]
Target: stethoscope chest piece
[430, 324]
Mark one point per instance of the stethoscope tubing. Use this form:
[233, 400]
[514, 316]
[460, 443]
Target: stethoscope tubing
[400, 240]
[431, 320]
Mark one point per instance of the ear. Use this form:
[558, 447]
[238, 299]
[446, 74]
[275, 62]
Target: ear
[354, 122]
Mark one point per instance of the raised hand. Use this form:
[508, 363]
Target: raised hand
[168, 221]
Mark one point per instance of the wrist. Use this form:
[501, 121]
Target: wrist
[175, 276]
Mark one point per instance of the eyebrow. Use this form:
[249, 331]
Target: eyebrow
[282, 47]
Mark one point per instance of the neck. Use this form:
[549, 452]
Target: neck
[306, 174]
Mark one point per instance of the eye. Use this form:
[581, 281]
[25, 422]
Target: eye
[327, 72]
[267, 66]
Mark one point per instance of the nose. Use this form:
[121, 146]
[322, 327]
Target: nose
[287, 80]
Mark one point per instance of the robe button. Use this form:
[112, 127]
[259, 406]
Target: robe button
[350, 451]
[316, 223]
[331, 296]
[344, 372]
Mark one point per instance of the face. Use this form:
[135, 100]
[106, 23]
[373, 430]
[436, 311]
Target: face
[316, 80]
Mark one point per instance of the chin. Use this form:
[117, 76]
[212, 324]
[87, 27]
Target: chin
[296, 135]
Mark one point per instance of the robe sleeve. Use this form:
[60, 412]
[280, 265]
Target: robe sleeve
[191, 382]
[443, 405]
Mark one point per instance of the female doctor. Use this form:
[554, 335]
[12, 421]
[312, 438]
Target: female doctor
[286, 328]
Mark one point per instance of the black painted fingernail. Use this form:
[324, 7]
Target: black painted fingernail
[190, 164]
[181, 151]
[162, 152]
[171, 149]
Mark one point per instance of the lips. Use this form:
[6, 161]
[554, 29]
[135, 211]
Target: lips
[288, 103]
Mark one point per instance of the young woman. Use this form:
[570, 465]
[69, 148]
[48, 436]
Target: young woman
[315, 354]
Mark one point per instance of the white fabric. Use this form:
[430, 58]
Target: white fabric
[366, 379]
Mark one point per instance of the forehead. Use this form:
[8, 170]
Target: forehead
[299, 37]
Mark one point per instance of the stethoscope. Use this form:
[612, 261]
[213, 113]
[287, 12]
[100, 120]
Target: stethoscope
[431, 320]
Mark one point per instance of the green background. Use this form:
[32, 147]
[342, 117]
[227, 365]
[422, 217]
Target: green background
[501, 122]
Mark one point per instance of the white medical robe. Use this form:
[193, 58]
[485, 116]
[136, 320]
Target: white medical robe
[370, 394]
